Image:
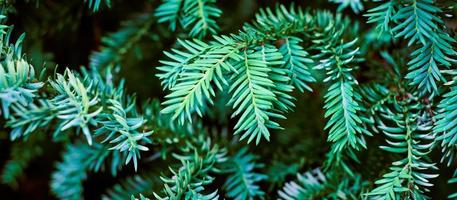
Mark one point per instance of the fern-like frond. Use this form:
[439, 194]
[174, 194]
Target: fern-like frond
[280, 75]
[343, 124]
[79, 159]
[196, 16]
[307, 186]
[298, 61]
[252, 98]
[79, 104]
[123, 131]
[67, 181]
[28, 118]
[260, 76]
[170, 11]
[74, 104]
[200, 15]
[411, 136]
[446, 125]
[17, 84]
[418, 21]
[171, 70]
[375, 98]
[424, 67]
[189, 180]
[341, 102]
[242, 181]
[315, 184]
[196, 82]
[382, 16]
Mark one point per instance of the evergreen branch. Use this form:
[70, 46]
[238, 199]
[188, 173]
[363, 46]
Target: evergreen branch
[124, 131]
[171, 70]
[66, 182]
[258, 92]
[196, 16]
[419, 22]
[194, 88]
[170, 11]
[252, 99]
[77, 104]
[315, 184]
[78, 160]
[200, 15]
[189, 180]
[102, 158]
[74, 104]
[382, 16]
[71, 101]
[119, 43]
[254, 72]
[445, 126]
[308, 186]
[298, 62]
[28, 118]
[17, 84]
[411, 137]
[166, 131]
[280, 76]
[241, 183]
[356, 5]
[344, 125]
[341, 110]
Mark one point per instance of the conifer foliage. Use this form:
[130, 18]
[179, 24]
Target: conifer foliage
[215, 99]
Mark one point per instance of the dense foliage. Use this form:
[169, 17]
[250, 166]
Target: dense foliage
[339, 99]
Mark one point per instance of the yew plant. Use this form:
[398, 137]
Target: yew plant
[221, 99]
